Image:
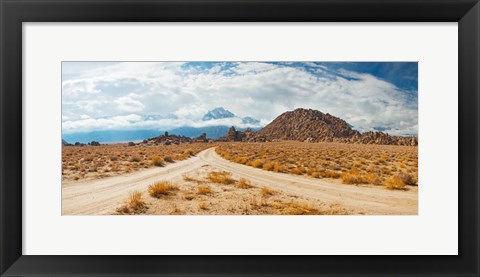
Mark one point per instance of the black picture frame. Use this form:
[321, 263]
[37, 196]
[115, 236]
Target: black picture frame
[14, 12]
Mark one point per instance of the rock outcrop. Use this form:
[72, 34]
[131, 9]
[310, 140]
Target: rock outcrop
[307, 125]
[166, 139]
[233, 135]
[314, 126]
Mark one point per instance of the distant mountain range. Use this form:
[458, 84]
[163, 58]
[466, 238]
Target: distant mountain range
[213, 132]
[299, 125]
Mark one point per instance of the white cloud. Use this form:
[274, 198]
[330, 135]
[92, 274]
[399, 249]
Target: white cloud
[107, 93]
[129, 103]
[191, 112]
[112, 123]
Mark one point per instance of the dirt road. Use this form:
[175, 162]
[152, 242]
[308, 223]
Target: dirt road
[102, 196]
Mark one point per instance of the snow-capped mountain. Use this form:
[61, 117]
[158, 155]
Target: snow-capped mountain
[220, 113]
[217, 113]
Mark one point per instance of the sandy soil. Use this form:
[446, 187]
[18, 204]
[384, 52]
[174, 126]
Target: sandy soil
[105, 195]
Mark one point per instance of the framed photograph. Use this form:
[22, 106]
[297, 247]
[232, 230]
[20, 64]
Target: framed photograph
[226, 138]
[239, 138]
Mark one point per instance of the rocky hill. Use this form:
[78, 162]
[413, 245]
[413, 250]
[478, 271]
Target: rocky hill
[383, 138]
[314, 126]
[307, 124]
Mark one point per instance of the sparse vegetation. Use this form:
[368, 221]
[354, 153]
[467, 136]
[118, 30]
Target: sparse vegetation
[203, 189]
[354, 176]
[296, 208]
[353, 163]
[394, 183]
[133, 205]
[262, 204]
[161, 188]
[266, 192]
[189, 152]
[216, 192]
[221, 177]
[244, 184]
[157, 161]
[257, 163]
[90, 162]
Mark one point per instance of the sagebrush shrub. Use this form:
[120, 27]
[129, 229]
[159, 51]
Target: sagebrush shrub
[161, 188]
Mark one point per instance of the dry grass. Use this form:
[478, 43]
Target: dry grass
[394, 183]
[354, 176]
[266, 192]
[241, 160]
[353, 163]
[257, 163]
[221, 177]
[244, 184]
[157, 161]
[161, 188]
[91, 162]
[203, 190]
[133, 205]
[298, 170]
[263, 205]
[270, 166]
[296, 208]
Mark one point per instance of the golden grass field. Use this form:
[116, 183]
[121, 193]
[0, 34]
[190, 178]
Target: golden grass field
[90, 162]
[395, 167]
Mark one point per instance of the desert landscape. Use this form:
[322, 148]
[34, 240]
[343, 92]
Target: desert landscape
[302, 161]
[238, 175]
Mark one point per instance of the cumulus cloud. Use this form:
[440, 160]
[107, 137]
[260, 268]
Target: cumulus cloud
[129, 103]
[111, 92]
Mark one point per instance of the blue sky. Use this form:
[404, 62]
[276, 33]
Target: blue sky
[164, 95]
